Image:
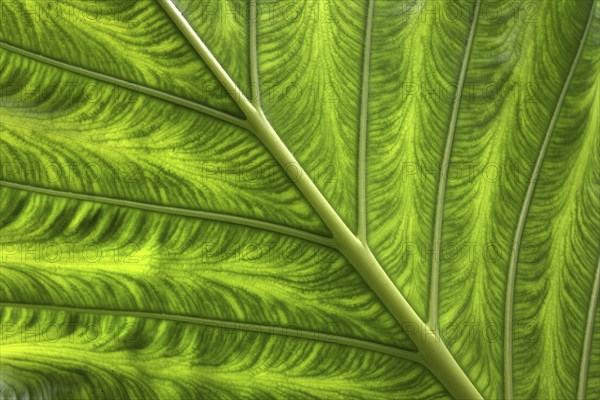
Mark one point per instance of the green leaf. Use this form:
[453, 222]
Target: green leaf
[296, 199]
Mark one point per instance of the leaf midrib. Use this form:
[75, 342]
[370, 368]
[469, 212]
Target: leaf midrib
[435, 354]
[314, 336]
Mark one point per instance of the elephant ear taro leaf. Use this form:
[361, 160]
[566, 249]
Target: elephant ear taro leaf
[296, 199]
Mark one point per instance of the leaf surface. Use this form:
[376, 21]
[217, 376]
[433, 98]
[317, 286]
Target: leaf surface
[300, 199]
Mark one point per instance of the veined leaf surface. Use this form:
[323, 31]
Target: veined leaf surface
[300, 199]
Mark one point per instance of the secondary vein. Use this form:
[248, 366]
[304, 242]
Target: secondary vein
[587, 341]
[255, 88]
[439, 208]
[212, 216]
[362, 146]
[514, 258]
[180, 101]
[241, 326]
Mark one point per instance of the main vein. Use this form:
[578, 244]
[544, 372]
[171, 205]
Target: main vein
[435, 354]
[259, 125]
[241, 326]
[514, 258]
[587, 341]
[439, 207]
[209, 59]
[180, 101]
[364, 110]
[212, 216]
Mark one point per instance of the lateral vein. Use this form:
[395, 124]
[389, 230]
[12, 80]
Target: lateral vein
[439, 208]
[206, 215]
[180, 101]
[362, 146]
[512, 269]
[587, 341]
[241, 326]
[255, 88]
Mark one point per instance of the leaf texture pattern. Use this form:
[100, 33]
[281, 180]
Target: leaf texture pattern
[300, 199]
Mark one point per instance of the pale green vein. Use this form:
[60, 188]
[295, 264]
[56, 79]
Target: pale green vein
[436, 355]
[364, 110]
[241, 326]
[587, 342]
[514, 258]
[129, 85]
[254, 54]
[209, 59]
[439, 208]
[212, 216]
